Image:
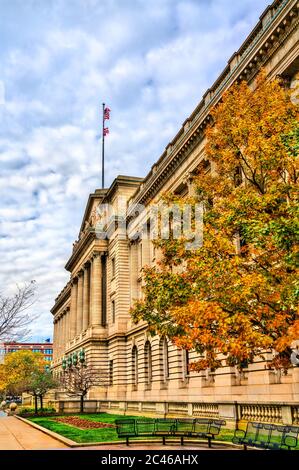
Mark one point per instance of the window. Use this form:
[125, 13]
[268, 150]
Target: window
[36, 350]
[48, 358]
[140, 256]
[112, 268]
[113, 311]
[111, 372]
[134, 366]
[48, 351]
[165, 359]
[148, 363]
[185, 364]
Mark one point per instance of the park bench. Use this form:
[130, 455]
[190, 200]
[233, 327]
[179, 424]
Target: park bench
[202, 428]
[267, 436]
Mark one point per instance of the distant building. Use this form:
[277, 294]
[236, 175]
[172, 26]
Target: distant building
[45, 348]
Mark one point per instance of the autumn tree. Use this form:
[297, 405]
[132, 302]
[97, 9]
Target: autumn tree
[39, 382]
[236, 296]
[17, 370]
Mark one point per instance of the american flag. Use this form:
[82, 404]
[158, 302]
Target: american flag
[107, 113]
[106, 131]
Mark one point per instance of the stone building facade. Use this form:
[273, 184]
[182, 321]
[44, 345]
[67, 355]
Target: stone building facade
[92, 311]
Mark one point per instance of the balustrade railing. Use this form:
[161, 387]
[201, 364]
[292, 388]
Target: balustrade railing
[261, 413]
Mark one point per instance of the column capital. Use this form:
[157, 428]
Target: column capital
[86, 265]
[99, 254]
[74, 280]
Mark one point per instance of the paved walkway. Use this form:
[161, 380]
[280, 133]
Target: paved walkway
[17, 435]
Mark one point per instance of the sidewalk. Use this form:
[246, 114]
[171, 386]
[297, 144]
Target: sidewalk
[16, 435]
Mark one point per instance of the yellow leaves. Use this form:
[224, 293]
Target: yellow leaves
[18, 366]
[237, 295]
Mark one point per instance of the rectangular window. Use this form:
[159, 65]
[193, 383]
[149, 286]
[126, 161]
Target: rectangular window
[113, 311]
[111, 372]
[113, 268]
[48, 351]
[186, 363]
[36, 350]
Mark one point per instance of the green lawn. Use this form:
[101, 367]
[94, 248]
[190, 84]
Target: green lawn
[97, 435]
[80, 435]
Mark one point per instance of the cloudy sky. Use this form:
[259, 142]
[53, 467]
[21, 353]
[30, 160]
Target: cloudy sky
[149, 60]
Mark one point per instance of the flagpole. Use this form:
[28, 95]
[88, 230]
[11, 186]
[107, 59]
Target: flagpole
[103, 150]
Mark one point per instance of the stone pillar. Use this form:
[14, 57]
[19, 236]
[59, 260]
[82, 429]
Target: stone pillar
[62, 333]
[96, 283]
[67, 325]
[55, 340]
[86, 297]
[66, 329]
[79, 304]
[59, 336]
[133, 272]
[73, 312]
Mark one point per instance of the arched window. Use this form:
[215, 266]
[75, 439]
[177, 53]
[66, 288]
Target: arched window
[134, 366]
[165, 359]
[148, 363]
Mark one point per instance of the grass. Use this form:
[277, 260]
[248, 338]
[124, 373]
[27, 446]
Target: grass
[80, 435]
[97, 435]
[100, 434]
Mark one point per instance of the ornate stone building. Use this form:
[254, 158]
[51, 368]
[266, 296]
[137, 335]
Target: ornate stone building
[148, 374]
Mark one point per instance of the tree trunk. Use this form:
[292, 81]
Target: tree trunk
[35, 404]
[82, 404]
[41, 402]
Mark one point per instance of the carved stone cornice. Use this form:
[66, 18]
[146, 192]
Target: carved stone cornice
[81, 246]
[62, 298]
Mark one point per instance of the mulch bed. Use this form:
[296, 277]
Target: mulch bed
[83, 423]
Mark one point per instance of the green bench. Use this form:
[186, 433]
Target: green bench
[202, 428]
[267, 436]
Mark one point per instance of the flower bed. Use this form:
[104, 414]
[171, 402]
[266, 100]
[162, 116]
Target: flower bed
[83, 423]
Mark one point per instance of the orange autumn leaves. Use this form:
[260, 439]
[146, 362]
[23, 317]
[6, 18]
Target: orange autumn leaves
[237, 295]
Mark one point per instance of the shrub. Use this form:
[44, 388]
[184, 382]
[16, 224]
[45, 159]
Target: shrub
[41, 412]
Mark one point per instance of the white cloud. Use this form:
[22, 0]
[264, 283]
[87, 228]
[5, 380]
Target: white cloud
[150, 61]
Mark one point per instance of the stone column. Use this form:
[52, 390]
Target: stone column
[67, 328]
[73, 312]
[96, 283]
[80, 303]
[86, 297]
[62, 333]
[133, 272]
[55, 340]
[68, 324]
[58, 336]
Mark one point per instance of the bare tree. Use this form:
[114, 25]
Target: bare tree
[78, 380]
[14, 316]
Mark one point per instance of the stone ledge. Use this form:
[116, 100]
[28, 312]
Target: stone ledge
[53, 434]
